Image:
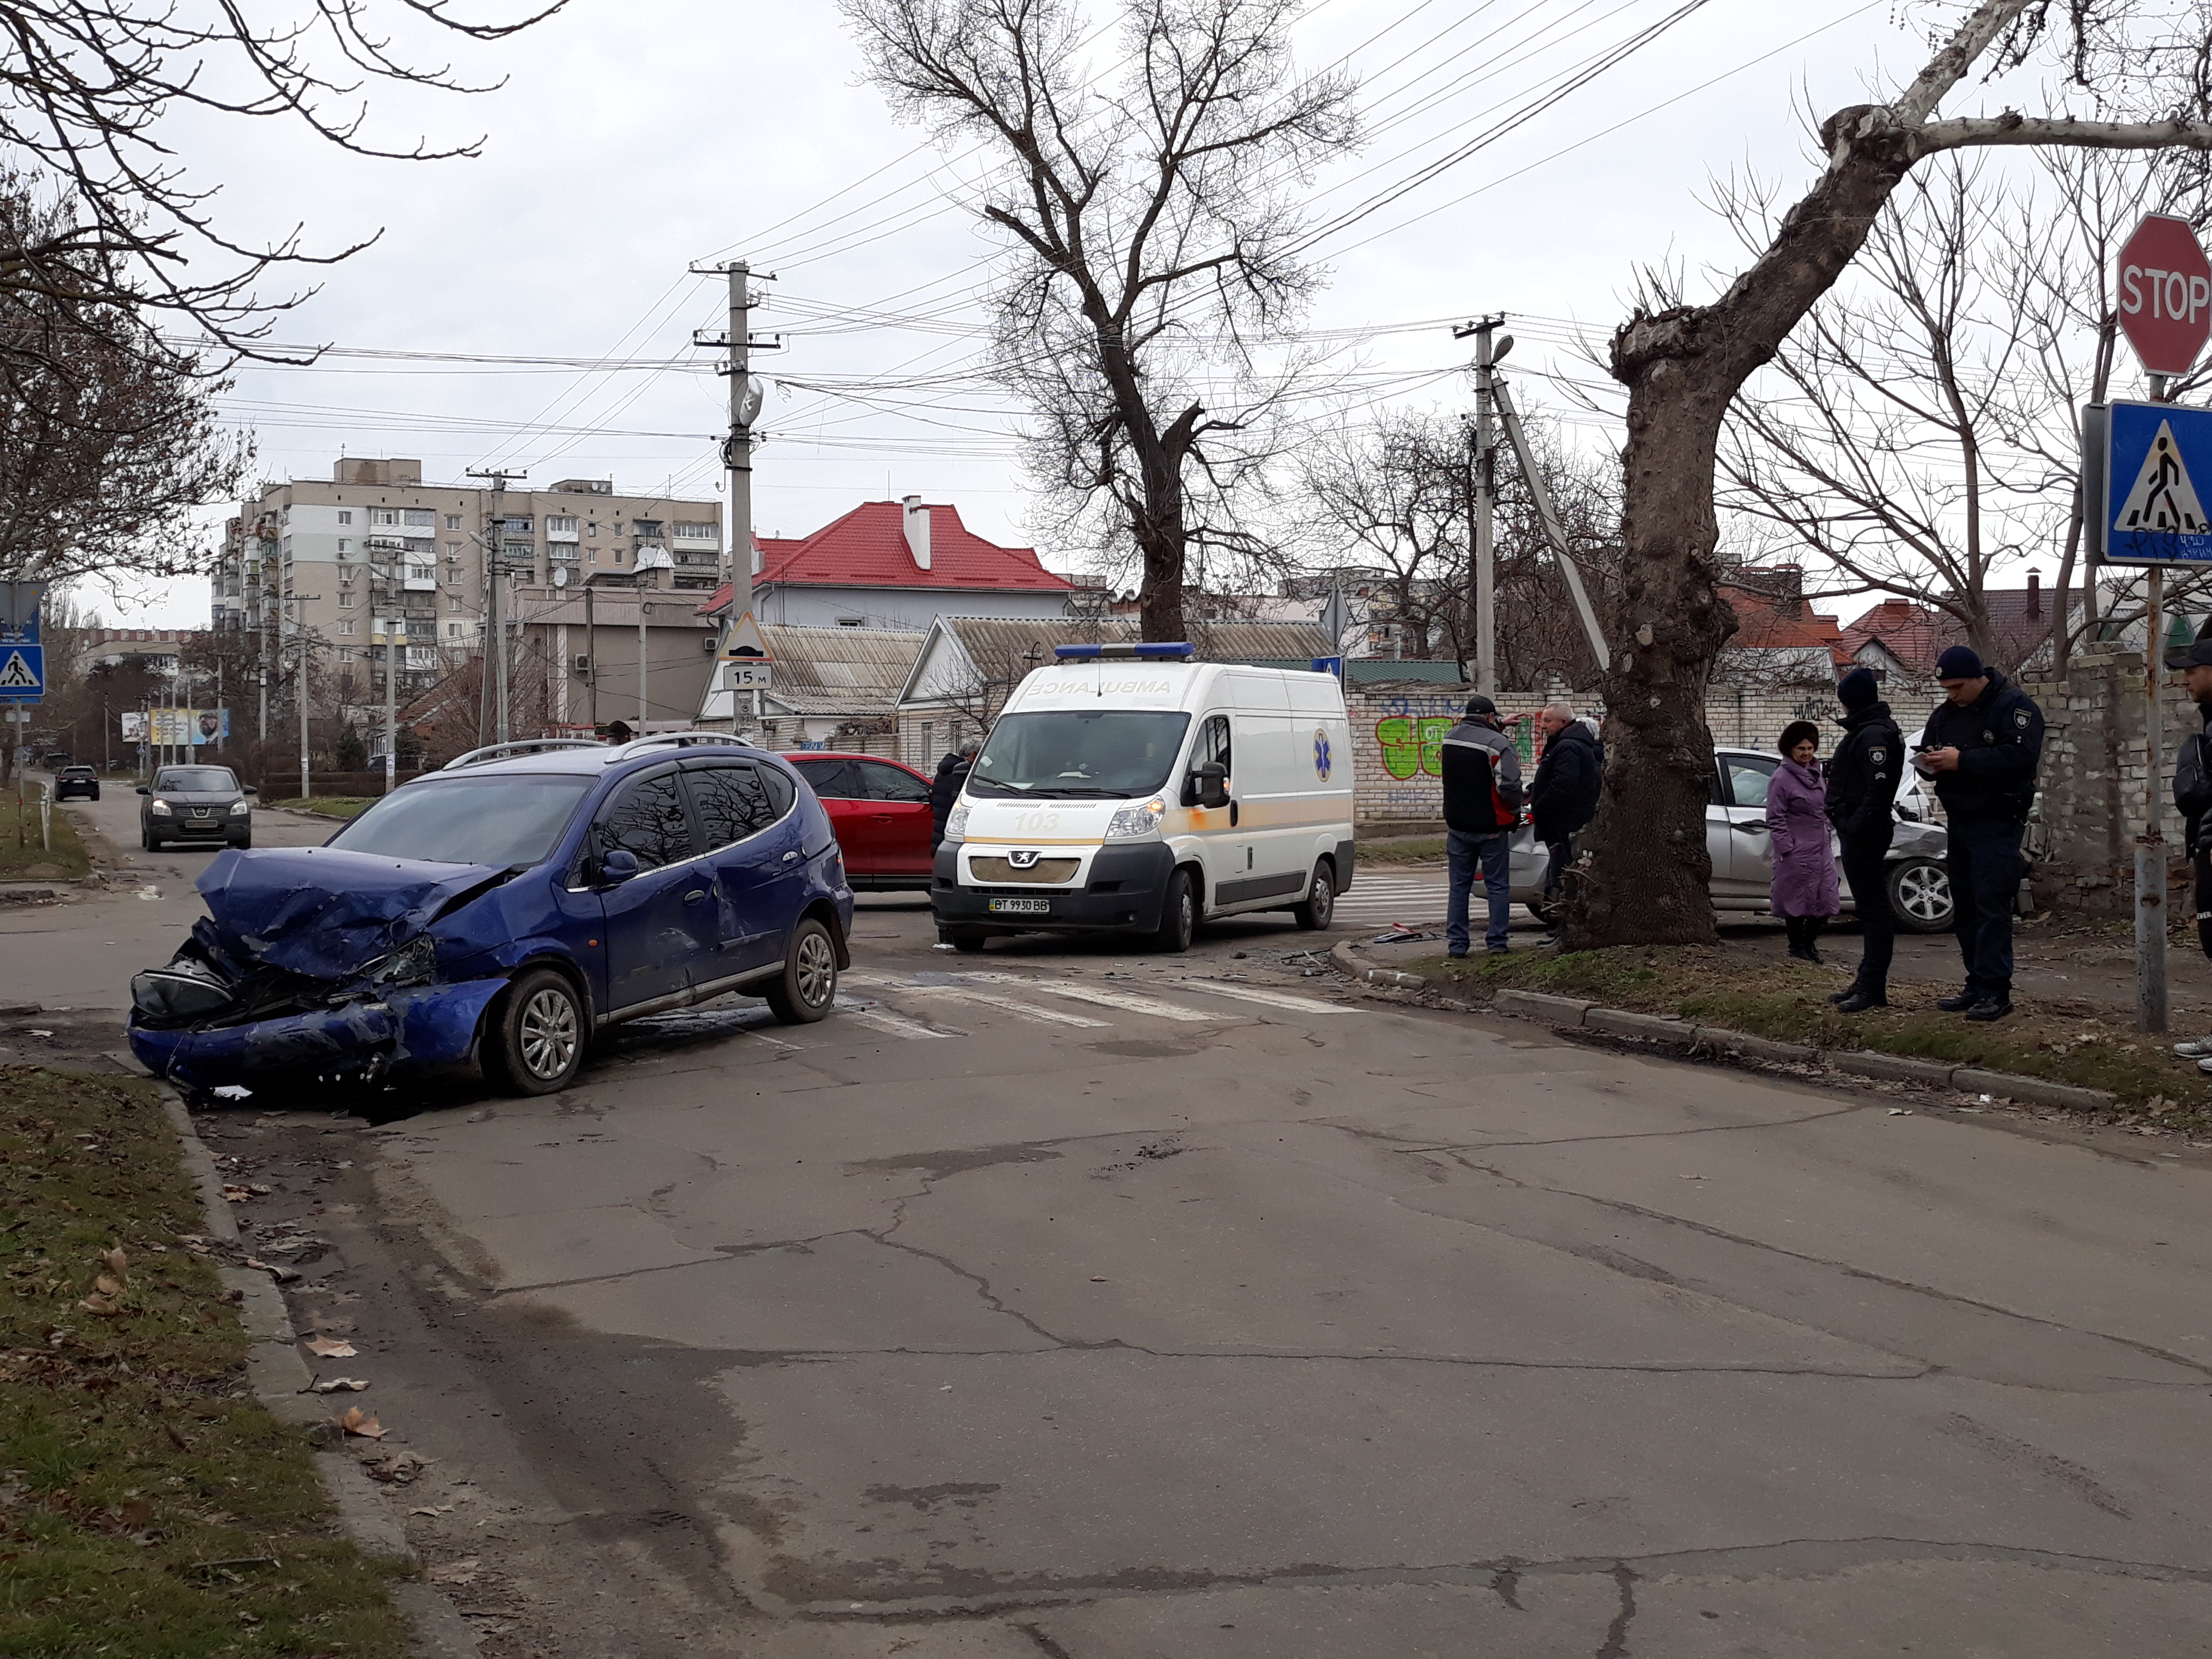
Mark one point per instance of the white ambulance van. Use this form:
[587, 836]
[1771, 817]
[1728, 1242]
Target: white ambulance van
[1132, 789]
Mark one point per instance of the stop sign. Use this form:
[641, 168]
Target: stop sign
[2166, 294]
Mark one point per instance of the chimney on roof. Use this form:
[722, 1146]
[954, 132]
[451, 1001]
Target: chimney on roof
[1792, 596]
[914, 519]
[2035, 592]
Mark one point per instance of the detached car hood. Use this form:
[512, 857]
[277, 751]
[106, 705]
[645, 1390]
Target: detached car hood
[324, 913]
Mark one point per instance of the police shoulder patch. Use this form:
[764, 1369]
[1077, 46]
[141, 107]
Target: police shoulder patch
[1877, 757]
[2019, 717]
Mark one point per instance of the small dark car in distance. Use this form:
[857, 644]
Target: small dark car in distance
[195, 806]
[72, 781]
[493, 916]
[880, 810]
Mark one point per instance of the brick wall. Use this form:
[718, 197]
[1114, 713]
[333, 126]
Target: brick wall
[2093, 776]
[1395, 729]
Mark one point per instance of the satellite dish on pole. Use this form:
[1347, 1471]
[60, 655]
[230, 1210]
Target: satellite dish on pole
[560, 578]
[749, 405]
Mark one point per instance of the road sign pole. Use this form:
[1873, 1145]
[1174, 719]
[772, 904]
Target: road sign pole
[2150, 845]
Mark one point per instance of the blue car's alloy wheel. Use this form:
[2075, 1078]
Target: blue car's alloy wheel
[535, 1043]
[808, 985]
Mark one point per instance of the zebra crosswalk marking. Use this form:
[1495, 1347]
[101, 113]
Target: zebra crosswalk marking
[964, 994]
[894, 1025]
[1269, 999]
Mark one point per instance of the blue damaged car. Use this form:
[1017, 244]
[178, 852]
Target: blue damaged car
[494, 915]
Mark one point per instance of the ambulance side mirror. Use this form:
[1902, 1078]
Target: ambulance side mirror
[1212, 782]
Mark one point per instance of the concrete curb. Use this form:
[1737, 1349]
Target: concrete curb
[280, 1380]
[1572, 1013]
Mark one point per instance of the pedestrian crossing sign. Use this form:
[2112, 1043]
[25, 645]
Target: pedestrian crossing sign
[22, 673]
[2153, 512]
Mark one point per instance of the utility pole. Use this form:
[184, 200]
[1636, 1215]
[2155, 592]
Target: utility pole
[495, 564]
[2150, 845]
[300, 688]
[590, 658]
[1482, 469]
[391, 712]
[641, 662]
[745, 393]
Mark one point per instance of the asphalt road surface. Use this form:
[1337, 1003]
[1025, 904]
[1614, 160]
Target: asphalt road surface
[1070, 1301]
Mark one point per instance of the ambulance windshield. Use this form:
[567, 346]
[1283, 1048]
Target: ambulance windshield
[1103, 754]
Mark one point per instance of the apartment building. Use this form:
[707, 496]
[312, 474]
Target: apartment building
[335, 560]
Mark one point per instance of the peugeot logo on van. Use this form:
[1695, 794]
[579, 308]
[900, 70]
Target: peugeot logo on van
[1023, 857]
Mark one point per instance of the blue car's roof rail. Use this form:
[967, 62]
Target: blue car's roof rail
[492, 752]
[674, 740]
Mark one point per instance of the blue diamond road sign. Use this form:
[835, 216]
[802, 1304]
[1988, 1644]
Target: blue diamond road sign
[2153, 509]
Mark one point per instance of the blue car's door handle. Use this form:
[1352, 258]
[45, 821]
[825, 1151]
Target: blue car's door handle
[789, 858]
[695, 896]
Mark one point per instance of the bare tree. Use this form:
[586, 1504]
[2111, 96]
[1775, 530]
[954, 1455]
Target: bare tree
[1903, 433]
[94, 90]
[1152, 243]
[1400, 492]
[108, 440]
[1683, 363]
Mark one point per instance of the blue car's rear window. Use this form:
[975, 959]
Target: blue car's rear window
[512, 820]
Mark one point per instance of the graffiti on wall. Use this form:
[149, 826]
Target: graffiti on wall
[1413, 743]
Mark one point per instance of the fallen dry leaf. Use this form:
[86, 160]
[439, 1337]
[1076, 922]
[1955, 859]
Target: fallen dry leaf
[359, 1422]
[108, 1285]
[340, 1385]
[117, 1263]
[99, 1305]
[329, 1347]
[135, 1512]
[455, 1572]
[395, 1468]
[432, 1508]
[238, 1194]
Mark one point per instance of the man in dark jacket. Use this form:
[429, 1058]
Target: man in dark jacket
[1482, 804]
[1562, 795]
[1983, 745]
[2192, 794]
[1862, 778]
[951, 776]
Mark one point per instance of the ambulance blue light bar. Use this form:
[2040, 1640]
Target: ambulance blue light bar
[1154, 649]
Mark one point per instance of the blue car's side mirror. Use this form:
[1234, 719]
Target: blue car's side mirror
[620, 865]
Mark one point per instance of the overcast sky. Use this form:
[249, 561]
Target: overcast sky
[630, 140]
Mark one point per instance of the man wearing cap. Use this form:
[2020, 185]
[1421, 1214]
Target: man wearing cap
[1862, 778]
[1983, 745]
[1482, 805]
[2192, 794]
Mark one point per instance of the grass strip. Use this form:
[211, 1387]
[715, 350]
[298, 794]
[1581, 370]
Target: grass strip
[1403, 849]
[1788, 1001]
[150, 1507]
[22, 858]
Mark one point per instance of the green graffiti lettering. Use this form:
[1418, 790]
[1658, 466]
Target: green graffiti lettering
[1401, 755]
[1433, 729]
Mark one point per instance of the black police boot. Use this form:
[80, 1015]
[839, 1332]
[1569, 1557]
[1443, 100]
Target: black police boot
[1846, 993]
[1859, 1001]
[1989, 1008]
[1961, 1003]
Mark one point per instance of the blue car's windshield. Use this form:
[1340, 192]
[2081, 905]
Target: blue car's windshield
[511, 820]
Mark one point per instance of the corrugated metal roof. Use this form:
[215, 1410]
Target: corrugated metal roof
[840, 670]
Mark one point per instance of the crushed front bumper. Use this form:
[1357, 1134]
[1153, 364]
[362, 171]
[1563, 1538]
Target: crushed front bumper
[423, 1029]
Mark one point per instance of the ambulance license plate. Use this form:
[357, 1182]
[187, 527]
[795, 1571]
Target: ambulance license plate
[1021, 906]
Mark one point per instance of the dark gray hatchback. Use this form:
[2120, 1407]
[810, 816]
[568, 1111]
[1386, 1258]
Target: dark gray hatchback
[195, 805]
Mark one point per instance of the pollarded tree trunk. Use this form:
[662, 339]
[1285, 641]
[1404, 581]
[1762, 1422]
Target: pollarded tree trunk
[1647, 879]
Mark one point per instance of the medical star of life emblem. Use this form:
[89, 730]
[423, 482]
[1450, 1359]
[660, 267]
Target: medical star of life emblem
[1322, 759]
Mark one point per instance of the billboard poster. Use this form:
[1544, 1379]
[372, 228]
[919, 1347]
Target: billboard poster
[134, 726]
[184, 727]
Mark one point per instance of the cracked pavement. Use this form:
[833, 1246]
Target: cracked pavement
[1346, 1328]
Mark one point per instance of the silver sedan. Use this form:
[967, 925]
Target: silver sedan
[1743, 863]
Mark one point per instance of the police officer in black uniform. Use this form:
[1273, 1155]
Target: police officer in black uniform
[1862, 778]
[1983, 745]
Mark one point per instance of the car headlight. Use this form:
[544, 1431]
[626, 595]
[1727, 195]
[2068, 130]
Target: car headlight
[956, 823]
[1142, 818]
[160, 806]
[415, 963]
[239, 809]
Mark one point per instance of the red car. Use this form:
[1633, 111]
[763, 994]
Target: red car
[880, 810]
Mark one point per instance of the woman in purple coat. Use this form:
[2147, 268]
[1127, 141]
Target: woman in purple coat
[1805, 891]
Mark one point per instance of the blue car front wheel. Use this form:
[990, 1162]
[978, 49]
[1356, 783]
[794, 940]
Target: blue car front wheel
[536, 1043]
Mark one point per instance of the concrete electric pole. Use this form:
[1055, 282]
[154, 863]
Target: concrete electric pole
[495, 567]
[1482, 484]
[746, 396]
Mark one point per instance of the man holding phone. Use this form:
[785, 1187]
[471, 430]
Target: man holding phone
[1983, 746]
